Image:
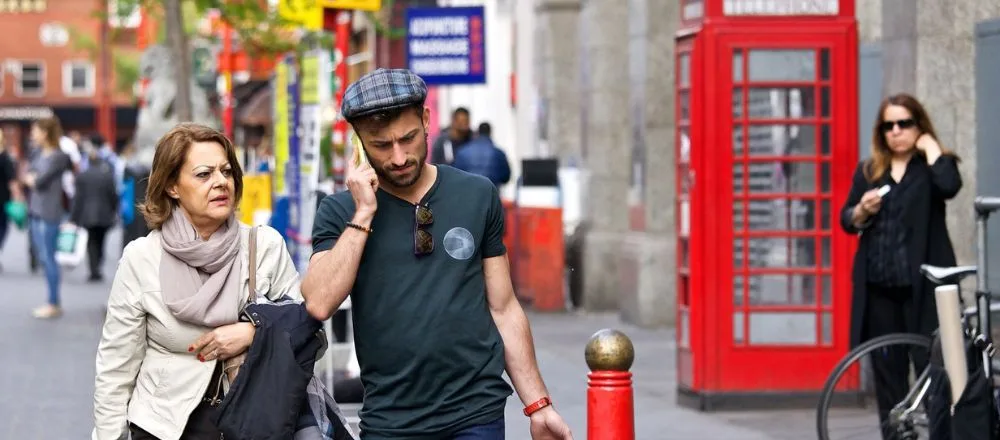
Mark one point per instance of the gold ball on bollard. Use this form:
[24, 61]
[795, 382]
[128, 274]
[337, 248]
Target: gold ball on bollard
[609, 350]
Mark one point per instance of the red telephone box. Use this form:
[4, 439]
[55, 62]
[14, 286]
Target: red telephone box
[765, 148]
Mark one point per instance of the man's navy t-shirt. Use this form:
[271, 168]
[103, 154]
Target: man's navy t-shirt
[431, 357]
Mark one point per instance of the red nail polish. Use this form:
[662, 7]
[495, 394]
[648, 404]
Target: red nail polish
[201, 358]
[190, 349]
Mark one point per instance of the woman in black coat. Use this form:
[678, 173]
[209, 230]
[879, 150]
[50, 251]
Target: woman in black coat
[900, 230]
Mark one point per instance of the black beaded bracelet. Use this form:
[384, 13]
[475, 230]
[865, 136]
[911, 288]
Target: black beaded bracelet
[359, 227]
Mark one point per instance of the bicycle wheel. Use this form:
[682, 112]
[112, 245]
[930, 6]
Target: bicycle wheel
[851, 382]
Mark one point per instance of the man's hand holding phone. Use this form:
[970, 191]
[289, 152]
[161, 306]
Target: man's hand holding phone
[362, 180]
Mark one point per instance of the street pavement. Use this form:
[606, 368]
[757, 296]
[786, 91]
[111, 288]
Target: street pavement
[47, 374]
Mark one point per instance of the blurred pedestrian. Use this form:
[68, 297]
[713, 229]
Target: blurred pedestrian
[134, 177]
[8, 189]
[437, 323]
[47, 205]
[453, 138]
[481, 156]
[95, 206]
[897, 205]
[174, 308]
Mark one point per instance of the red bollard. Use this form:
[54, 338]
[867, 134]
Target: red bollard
[610, 406]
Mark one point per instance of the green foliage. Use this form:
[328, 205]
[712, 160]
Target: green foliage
[260, 31]
[124, 64]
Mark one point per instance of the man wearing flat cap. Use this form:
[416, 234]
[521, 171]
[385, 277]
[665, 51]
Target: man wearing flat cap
[419, 247]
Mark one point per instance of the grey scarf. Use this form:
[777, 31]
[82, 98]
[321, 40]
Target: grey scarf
[200, 279]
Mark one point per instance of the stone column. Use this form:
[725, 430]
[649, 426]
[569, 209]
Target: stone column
[945, 83]
[648, 253]
[899, 63]
[604, 28]
[869, 15]
[558, 31]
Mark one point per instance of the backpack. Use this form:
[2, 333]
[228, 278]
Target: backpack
[125, 205]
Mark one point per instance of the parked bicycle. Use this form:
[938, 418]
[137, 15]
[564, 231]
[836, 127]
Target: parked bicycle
[839, 414]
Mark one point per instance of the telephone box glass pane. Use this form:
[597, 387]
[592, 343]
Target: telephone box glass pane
[784, 328]
[824, 64]
[824, 102]
[738, 291]
[685, 145]
[827, 328]
[782, 215]
[737, 140]
[782, 177]
[826, 284]
[737, 103]
[684, 70]
[737, 66]
[737, 215]
[824, 249]
[782, 289]
[738, 327]
[685, 330]
[825, 215]
[781, 102]
[824, 139]
[684, 102]
[780, 252]
[782, 140]
[825, 181]
[782, 65]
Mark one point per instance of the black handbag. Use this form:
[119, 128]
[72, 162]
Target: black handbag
[265, 400]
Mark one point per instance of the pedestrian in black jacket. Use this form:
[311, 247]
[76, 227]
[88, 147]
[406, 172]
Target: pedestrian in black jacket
[897, 205]
[95, 207]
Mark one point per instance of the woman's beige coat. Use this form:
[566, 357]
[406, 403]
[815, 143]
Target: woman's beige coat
[145, 375]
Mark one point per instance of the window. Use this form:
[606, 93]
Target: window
[23, 6]
[30, 79]
[78, 78]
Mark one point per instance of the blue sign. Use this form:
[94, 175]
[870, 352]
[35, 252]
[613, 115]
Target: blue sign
[292, 169]
[447, 45]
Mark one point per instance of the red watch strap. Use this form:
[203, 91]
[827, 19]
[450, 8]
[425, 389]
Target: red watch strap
[539, 404]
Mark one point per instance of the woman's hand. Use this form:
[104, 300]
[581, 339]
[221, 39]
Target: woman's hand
[930, 147]
[224, 342]
[29, 180]
[871, 202]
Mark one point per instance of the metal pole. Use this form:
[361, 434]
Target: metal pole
[983, 291]
[227, 71]
[610, 400]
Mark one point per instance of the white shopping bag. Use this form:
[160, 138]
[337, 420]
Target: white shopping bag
[71, 245]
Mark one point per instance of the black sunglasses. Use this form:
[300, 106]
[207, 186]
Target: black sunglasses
[423, 241]
[903, 124]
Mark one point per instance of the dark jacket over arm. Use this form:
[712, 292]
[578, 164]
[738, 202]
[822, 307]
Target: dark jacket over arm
[60, 164]
[946, 181]
[859, 185]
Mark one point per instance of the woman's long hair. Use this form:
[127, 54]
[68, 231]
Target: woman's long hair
[881, 154]
[52, 129]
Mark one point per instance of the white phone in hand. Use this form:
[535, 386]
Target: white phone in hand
[884, 190]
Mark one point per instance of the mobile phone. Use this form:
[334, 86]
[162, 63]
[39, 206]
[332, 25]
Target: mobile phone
[359, 151]
[883, 190]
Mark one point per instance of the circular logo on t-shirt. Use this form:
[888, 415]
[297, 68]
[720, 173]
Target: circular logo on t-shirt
[458, 243]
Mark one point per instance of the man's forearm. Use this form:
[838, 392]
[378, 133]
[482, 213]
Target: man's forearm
[519, 353]
[329, 279]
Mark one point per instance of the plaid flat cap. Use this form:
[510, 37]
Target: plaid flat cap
[382, 89]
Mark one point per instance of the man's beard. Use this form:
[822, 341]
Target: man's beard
[384, 171]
